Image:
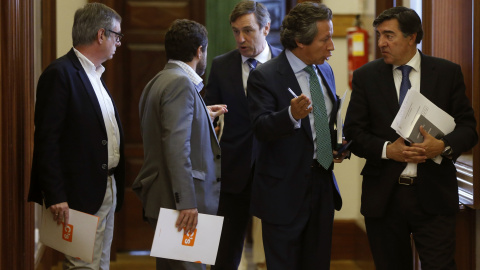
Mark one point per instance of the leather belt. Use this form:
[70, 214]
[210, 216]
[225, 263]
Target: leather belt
[407, 181]
[111, 171]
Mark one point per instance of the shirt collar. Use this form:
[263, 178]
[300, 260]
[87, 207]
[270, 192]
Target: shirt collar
[192, 75]
[87, 64]
[414, 62]
[295, 62]
[262, 57]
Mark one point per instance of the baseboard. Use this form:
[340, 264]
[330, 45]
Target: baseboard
[349, 242]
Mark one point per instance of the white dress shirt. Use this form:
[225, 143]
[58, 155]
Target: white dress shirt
[261, 58]
[106, 105]
[414, 76]
[303, 79]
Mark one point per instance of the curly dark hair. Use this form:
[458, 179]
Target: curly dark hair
[300, 24]
[183, 39]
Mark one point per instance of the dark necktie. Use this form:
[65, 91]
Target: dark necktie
[405, 85]
[322, 129]
[252, 63]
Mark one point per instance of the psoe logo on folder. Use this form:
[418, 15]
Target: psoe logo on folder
[189, 238]
[67, 233]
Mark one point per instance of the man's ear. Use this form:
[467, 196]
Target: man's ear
[101, 35]
[413, 39]
[266, 29]
[199, 52]
[299, 45]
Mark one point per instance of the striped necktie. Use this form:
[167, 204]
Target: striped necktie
[252, 63]
[405, 85]
[322, 129]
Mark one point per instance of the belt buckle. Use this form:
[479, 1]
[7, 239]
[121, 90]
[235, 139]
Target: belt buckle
[404, 178]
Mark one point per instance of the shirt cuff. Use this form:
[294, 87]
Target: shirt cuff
[384, 151]
[296, 124]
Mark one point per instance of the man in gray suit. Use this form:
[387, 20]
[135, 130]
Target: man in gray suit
[181, 168]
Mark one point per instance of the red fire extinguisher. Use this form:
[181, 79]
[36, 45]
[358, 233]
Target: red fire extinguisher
[357, 43]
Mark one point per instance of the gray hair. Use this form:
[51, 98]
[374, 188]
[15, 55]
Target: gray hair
[247, 7]
[300, 24]
[89, 19]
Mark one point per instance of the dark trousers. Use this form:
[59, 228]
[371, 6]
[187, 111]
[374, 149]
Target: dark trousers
[235, 208]
[390, 235]
[306, 242]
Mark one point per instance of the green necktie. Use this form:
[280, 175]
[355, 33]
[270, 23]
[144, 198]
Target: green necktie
[324, 146]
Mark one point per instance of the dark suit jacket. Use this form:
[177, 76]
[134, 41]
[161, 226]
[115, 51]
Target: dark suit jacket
[372, 109]
[225, 86]
[285, 154]
[70, 155]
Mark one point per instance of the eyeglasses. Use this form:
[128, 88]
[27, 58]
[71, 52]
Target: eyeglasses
[119, 36]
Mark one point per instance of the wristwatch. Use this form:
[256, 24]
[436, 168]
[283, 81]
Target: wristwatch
[447, 151]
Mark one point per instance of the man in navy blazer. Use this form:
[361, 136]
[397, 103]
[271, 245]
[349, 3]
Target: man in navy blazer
[78, 159]
[250, 22]
[405, 193]
[292, 193]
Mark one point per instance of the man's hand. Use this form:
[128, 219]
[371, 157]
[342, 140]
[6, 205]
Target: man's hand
[400, 152]
[60, 212]
[216, 110]
[432, 146]
[188, 220]
[342, 157]
[299, 107]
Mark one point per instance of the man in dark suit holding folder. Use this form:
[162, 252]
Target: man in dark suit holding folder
[294, 190]
[78, 159]
[404, 191]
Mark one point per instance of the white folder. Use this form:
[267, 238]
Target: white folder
[77, 239]
[200, 246]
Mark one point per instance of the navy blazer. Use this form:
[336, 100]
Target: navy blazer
[225, 86]
[70, 157]
[372, 109]
[285, 154]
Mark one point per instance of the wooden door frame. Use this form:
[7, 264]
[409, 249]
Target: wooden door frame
[16, 134]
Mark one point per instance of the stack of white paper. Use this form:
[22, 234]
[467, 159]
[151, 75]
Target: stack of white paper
[200, 246]
[416, 104]
[76, 239]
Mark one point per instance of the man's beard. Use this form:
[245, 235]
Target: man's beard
[201, 66]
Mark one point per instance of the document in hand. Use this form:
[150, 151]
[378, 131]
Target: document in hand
[416, 111]
[201, 246]
[75, 239]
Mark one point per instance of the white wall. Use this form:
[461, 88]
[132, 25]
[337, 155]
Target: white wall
[65, 12]
[348, 172]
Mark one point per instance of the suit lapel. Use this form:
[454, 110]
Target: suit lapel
[428, 78]
[235, 76]
[330, 84]
[87, 86]
[387, 87]
[212, 129]
[290, 80]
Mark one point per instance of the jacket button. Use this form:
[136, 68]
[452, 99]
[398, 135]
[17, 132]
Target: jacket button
[219, 156]
[104, 142]
[219, 179]
[104, 166]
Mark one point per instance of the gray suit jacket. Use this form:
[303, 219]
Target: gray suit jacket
[181, 168]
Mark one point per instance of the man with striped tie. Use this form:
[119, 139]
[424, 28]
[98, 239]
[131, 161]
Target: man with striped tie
[250, 22]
